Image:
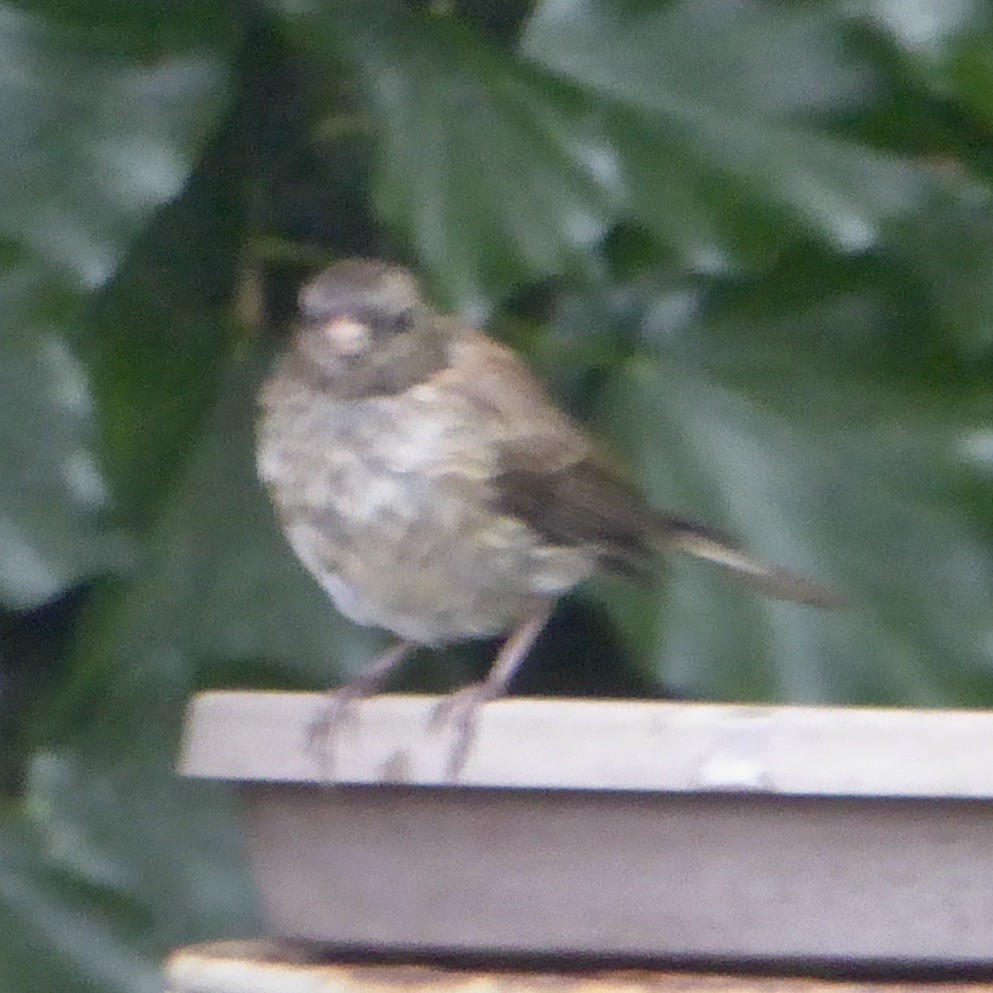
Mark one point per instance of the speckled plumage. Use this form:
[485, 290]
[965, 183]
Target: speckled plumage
[389, 500]
[432, 487]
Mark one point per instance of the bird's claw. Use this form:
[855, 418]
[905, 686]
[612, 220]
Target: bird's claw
[459, 711]
[337, 711]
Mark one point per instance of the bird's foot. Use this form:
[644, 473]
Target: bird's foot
[459, 711]
[335, 712]
[337, 709]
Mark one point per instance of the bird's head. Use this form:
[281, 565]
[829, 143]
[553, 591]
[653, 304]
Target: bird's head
[353, 307]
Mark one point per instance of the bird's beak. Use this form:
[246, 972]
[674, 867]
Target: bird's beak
[346, 335]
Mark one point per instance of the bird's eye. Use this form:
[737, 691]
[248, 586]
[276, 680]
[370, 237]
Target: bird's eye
[403, 321]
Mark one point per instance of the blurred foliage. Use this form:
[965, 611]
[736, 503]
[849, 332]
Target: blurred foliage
[750, 243]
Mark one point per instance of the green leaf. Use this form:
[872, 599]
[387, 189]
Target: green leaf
[59, 933]
[763, 425]
[947, 249]
[53, 496]
[92, 145]
[156, 339]
[124, 824]
[142, 30]
[500, 169]
[750, 59]
[945, 46]
[707, 112]
[486, 164]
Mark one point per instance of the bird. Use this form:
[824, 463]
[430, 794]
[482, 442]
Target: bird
[430, 484]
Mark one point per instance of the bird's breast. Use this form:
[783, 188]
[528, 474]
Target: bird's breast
[388, 502]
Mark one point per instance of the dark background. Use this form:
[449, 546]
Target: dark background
[750, 244]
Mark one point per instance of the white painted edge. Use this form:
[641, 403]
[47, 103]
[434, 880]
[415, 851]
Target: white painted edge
[598, 745]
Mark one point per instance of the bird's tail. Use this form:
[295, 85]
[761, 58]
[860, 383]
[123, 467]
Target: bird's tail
[703, 543]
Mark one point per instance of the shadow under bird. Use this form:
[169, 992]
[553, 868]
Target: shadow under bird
[426, 479]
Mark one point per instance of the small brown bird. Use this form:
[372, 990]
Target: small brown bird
[432, 487]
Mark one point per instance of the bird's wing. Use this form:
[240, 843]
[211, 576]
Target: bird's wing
[549, 472]
[552, 475]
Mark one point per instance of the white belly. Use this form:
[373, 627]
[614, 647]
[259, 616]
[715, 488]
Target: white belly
[392, 513]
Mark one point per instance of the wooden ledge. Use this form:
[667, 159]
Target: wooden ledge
[273, 966]
[599, 745]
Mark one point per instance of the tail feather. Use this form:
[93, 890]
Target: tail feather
[712, 546]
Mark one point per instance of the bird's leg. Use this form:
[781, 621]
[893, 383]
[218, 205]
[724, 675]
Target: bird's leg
[459, 708]
[339, 700]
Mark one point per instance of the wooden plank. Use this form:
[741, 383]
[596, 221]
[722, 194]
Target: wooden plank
[271, 966]
[586, 744]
